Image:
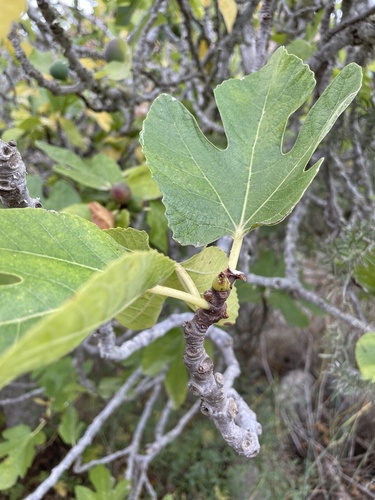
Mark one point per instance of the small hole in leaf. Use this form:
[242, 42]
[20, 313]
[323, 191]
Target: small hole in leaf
[9, 279]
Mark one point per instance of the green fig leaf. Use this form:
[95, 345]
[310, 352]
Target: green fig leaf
[99, 172]
[102, 297]
[44, 258]
[209, 192]
[365, 355]
[18, 448]
[365, 272]
[142, 313]
[141, 183]
[130, 238]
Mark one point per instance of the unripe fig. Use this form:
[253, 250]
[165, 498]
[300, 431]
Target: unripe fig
[122, 219]
[59, 70]
[121, 193]
[221, 283]
[113, 51]
[135, 205]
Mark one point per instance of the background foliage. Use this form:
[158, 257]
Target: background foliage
[78, 132]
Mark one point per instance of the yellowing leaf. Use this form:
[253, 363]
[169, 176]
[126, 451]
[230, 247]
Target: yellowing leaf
[365, 355]
[103, 119]
[8, 45]
[88, 63]
[203, 46]
[228, 9]
[27, 48]
[10, 11]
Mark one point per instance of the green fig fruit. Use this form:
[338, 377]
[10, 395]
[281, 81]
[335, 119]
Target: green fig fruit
[113, 51]
[135, 205]
[122, 218]
[59, 70]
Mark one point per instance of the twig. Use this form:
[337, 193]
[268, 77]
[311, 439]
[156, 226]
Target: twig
[297, 288]
[51, 16]
[135, 444]
[32, 72]
[160, 426]
[224, 342]
[265, 26]
[143, 339]
[78, 468]
[86, 439]
[22, 397]
[349, 22]
[291, 237]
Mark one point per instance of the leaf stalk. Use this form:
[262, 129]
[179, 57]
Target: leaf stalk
[186, 280]
[165, 291]
[234, 253]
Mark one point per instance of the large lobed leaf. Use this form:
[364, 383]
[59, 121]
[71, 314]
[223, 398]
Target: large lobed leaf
[101, 298]
[47, 256]
[209, 192]
[52, 294]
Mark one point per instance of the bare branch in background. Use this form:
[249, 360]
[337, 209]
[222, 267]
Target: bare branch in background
[23, 397]
[86, 439]
[265, 26]
[13, 189]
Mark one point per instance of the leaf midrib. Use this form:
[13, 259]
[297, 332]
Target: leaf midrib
[241, 224]
[33, 254]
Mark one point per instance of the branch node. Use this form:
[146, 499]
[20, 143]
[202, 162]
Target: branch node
[232, 408]
[206, 366]
[206, 410]
[219, 377]
[247, 443]
[194, 389]
[193, 353]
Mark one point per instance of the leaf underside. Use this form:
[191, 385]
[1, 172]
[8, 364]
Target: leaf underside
[208, 192]
[45, 257]
[51, 254]
[101, 298]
